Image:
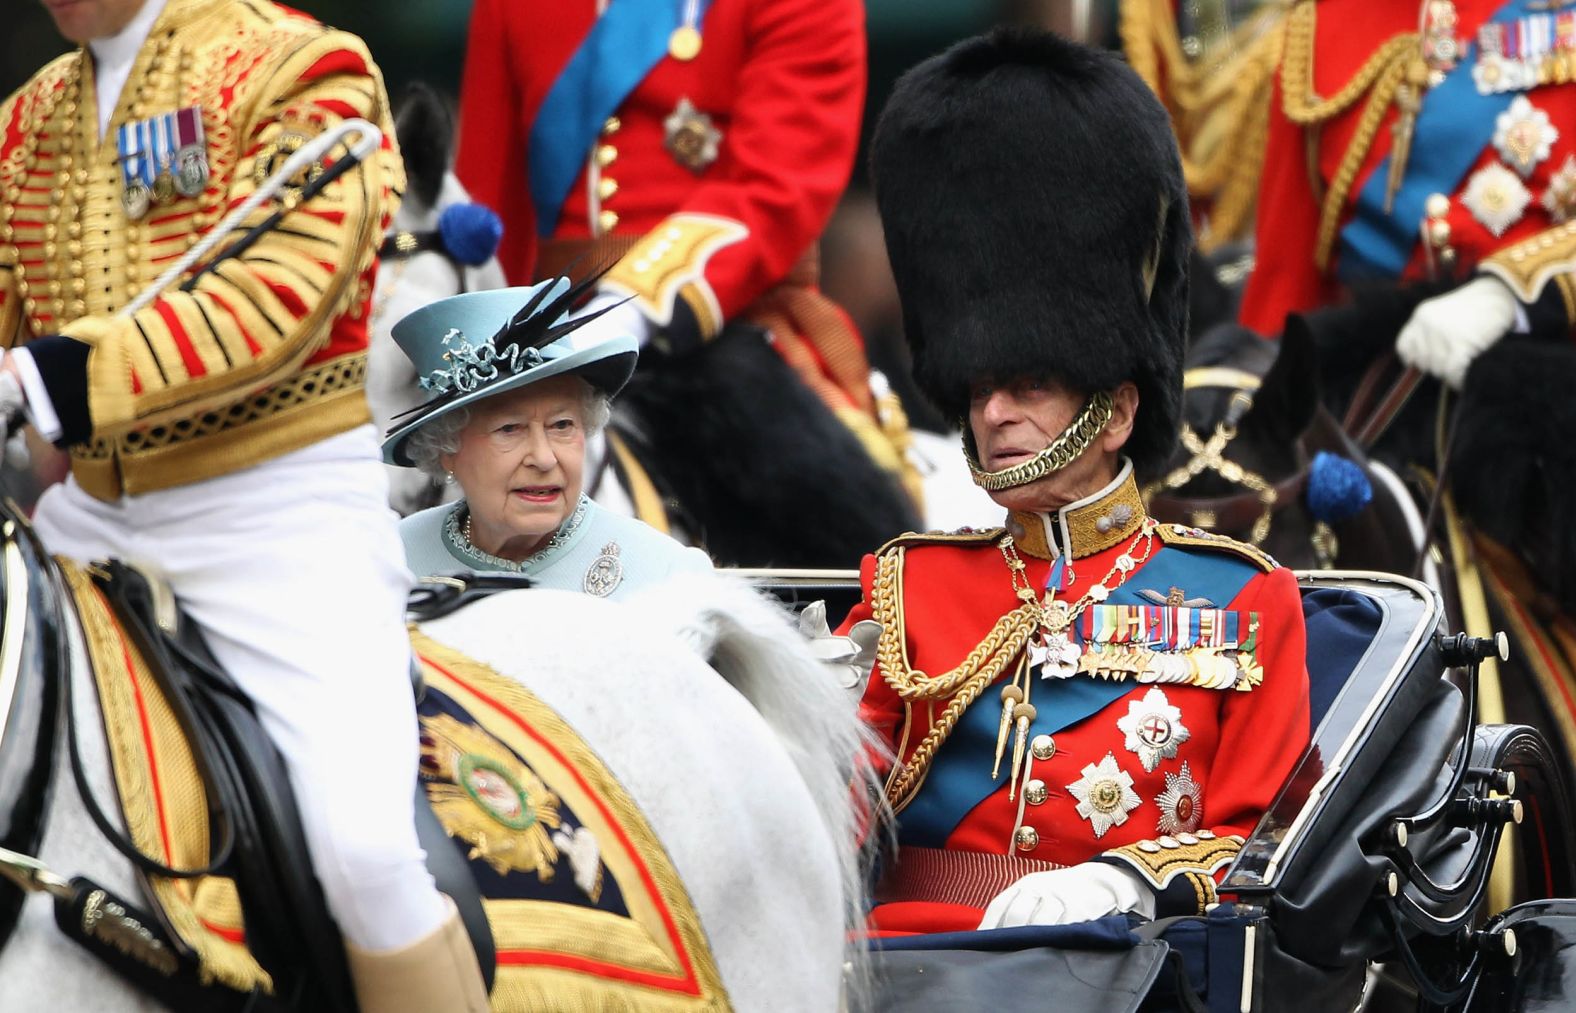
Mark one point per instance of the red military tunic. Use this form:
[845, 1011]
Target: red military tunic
[1324, 146]
[1200, 765]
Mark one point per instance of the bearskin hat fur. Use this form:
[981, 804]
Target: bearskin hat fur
[1037, 223]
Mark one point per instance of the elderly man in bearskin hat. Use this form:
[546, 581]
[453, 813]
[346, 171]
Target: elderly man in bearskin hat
[1089, 709]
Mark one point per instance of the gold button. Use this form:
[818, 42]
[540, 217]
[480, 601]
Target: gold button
[74, 230]
[606, 187]
[1026, 838]
[82, 177]
[79, 286]
[50, 232]
[1035, 792]
[1043, 747]
[54, 289]
[1437, 205]
[607, 220]
[613, 125]
[1439, 232]
[78, 308]
[605, 155]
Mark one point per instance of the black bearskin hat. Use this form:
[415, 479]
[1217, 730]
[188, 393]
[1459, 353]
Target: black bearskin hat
[1037, 224]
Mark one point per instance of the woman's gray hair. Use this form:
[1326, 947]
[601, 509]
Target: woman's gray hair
[441, 436]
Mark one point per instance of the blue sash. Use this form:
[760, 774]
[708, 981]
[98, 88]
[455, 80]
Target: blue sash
[1457, 123]
[627, 41]
[959, 779]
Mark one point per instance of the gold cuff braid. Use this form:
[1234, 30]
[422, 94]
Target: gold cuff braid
[1163, 860]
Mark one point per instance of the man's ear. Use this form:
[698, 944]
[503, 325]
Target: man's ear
[1124, 413]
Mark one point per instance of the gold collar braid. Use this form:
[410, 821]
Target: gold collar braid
[1064, 450]
[989, 658]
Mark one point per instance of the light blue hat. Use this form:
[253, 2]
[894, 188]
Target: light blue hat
[472, 346]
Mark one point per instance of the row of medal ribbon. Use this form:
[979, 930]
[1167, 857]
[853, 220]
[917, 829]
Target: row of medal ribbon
[161, 157]
[1209, 648]
[1534, 50]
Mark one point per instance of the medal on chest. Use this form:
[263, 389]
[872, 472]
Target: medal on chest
[160, 158]
[1153, 729]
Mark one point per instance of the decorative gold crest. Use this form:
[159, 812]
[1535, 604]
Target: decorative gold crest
[485, 796]
[272, 158]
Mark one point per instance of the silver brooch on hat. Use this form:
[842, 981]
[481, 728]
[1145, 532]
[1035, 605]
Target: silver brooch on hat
[471, 366]
[605, 573]
[1105, 795]
[1154, 729]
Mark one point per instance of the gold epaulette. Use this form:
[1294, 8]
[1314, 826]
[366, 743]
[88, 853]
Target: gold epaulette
[962, 536]
[1196, 857]
[1198, 538]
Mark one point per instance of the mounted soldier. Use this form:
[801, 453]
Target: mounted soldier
[699, 149]
[219, 434]
[1089, 708]
[1423, 141]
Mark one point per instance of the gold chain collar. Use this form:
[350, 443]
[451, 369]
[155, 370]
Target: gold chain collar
[1064, 450]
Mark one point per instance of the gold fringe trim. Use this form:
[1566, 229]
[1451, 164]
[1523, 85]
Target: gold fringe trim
[186, 906]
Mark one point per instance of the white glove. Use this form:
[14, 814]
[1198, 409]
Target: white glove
[1064, 896]
[1447, 332]
[624, 318]
[851, 658]
[12, 401]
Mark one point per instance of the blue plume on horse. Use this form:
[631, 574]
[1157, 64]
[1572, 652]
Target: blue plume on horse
[471, 232]
[1338, 489]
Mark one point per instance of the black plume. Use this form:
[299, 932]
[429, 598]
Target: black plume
[534, 326]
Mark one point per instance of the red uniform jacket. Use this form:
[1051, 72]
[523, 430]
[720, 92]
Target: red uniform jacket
[1303, 168]
[782, 81]
[1228, 751]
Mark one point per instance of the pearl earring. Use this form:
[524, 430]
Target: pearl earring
[448, 478]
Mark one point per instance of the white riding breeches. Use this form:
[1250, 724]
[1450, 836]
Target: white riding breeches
[295, 573]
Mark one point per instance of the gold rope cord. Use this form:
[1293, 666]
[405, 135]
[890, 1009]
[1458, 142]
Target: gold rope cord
[1064, 450]
[983, 665]
[1380, 77]
[1220, 110]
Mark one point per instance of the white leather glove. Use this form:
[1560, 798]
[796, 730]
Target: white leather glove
[1064, 896]
[1447, 332]
[12, 401]
[851, 658]
[624, 318]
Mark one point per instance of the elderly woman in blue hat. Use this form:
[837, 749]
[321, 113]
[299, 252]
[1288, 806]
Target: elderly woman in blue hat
[516, 392]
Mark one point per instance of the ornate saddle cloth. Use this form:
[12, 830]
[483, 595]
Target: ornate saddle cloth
[585, 909]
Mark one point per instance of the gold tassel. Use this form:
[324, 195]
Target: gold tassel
[1011, 696]
[1022, 715]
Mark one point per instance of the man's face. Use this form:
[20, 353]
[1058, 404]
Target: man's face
[82, 21]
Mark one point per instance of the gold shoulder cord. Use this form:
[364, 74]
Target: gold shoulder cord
[963, 684]
[1380, 78]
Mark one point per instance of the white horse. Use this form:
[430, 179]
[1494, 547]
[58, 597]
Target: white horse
[744, 778]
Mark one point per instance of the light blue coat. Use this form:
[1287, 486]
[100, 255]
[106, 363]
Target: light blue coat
[594, 551]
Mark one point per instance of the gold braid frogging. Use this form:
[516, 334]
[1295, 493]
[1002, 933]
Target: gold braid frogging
[1380, 77]
[963, 683]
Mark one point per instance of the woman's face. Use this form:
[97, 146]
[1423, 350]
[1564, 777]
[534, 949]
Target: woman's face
[1015, 419]
[521, 464]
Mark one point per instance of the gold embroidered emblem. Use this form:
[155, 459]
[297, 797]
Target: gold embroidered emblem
[272, 157]
[488, 798]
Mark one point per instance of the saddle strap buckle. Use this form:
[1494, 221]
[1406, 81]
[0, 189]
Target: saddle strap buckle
[32, 875]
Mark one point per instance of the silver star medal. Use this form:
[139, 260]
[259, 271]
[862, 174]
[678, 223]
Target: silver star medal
[1153, 728]
[1052, 649]
[1181, 804]
[1524, 136]
[1105, 795]
[691, 137]
[1496, 197]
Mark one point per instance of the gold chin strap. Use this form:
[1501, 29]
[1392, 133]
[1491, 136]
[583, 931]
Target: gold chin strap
[1077, 437]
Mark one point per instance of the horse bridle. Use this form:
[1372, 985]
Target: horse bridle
[1252, 510]
[405, 244]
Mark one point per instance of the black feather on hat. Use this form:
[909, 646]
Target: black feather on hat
[1037, 223]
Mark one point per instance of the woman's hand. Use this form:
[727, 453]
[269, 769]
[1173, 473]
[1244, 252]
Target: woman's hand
[1064, 896]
